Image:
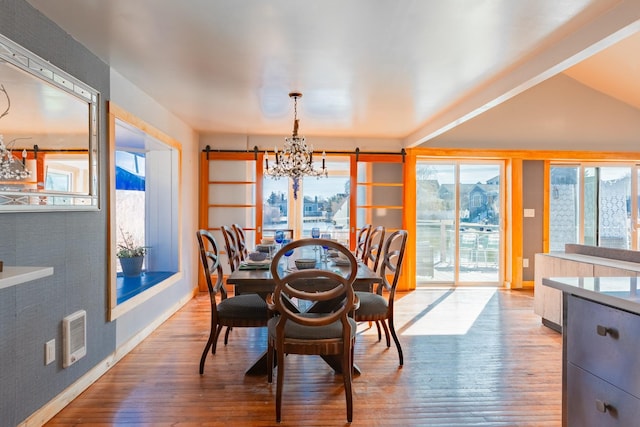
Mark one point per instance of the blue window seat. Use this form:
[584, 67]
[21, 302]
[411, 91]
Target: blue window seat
[128, 287]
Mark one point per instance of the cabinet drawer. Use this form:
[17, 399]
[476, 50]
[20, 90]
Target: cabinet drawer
[605, 342]
[586, 396]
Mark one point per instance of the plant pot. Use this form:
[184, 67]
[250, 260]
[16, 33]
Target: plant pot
[132, 267]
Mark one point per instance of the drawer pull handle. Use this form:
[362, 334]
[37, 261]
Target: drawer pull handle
[603, 331]
[602, 406]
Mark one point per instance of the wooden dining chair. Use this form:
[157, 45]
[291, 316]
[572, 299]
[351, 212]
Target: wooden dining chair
[362, 237]
[374, 247]
[371, 257]
[329, 332]
[231, 246]
[248, 310]
[241, 241]
[378, 306]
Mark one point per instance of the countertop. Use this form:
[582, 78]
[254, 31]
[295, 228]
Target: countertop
[618, 292]
[590, 259]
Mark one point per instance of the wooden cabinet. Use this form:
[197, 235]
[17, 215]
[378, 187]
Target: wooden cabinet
[601, 367]
[547, 301]
[606, 271]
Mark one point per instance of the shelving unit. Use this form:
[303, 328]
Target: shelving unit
[12, 276]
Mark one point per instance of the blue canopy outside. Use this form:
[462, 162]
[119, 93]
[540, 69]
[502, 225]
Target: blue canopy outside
[126, 180]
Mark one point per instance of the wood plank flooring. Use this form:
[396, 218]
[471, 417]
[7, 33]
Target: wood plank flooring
[473, 357]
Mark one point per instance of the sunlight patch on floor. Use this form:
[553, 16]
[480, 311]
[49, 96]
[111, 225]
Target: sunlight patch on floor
[438, 311]
[453, 315]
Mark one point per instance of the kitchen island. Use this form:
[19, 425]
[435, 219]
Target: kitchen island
[601, 340]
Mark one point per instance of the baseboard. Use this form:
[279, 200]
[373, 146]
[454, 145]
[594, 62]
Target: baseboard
[552, 325]
[529, 284]
[49, 410]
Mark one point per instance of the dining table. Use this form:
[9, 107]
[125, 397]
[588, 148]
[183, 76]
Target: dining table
[257, 278]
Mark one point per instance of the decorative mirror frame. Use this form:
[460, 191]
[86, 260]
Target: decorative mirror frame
[43, 200]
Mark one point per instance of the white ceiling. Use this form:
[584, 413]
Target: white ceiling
[406, 69]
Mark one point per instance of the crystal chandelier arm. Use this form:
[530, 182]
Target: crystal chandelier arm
[3, 90]
[10, 167]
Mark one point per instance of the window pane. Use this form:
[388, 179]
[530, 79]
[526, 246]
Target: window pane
[390, 218]
[386, 196]
[564, 207]
[325, 202]
[436, 207]
[232, 194]
[232, 170]
[614, 202]
[379, 194]
[590, 207]
[479, 222]
[229, 215]
[275, 205]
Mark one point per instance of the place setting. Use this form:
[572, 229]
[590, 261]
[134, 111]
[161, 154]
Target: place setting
[260, 259]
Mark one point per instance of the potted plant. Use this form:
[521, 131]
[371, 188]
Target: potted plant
[131, 255]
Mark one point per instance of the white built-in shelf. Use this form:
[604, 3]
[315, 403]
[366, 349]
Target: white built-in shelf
[11, 276]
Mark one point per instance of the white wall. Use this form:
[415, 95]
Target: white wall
[557, 114]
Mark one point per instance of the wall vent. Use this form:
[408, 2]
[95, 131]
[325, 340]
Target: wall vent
[74, 337]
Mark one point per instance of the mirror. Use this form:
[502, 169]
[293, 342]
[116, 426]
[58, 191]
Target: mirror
[48, 135]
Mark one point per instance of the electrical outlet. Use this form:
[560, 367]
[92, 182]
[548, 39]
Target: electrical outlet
[50, 352]
[525, 263]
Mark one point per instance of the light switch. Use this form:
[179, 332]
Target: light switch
[529, 213]
[50, 352]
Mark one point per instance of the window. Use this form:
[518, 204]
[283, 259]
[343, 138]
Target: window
[145, 179]
[477, 200]
[564, 207]
[322, 202]
[592, 204]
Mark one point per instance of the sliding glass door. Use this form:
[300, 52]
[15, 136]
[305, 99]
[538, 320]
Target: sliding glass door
[459, 230]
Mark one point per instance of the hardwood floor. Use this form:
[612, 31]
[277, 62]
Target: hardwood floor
[473, 357]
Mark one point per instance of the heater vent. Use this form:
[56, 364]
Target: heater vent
[74, 337]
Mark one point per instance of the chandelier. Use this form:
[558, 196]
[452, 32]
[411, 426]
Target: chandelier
[296, 159]
[11, 168]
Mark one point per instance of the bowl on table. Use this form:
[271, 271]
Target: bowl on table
[257, 256]
[265, 248]
[305, 263]
[341, 262]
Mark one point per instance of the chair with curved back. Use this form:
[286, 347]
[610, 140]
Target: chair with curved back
[374, 247]
[362, 237]
[241, 241]
[378, 306]
[233, 257]
[328, 332]
[371, 257]
[231, 246]
[238, 311]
